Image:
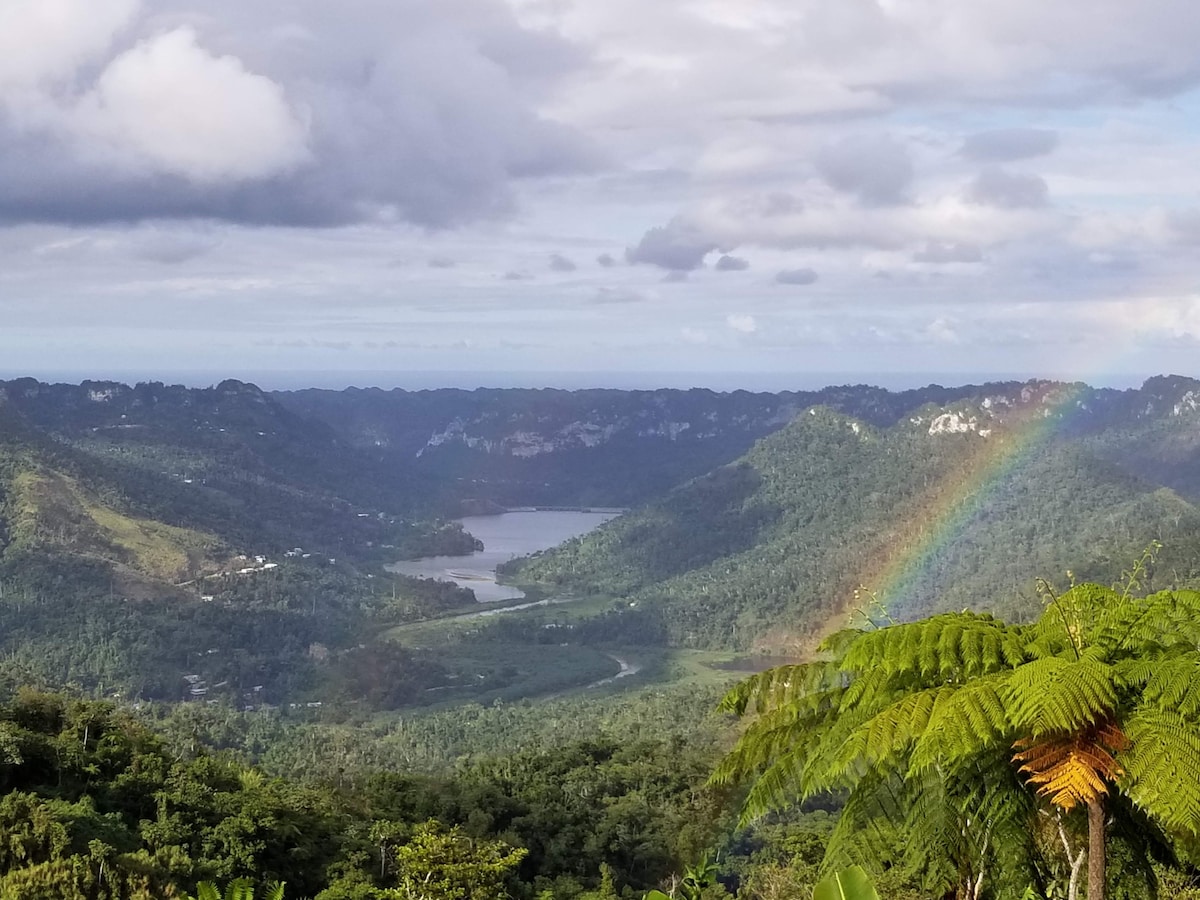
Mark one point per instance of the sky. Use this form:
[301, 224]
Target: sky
[765, 193]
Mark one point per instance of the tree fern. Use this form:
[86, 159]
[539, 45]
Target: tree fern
[1174, 683]
[962, 718]
[1075, 768]
[970, 719]
[1052, 695]
[1162, 767]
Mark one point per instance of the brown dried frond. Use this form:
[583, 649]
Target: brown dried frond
[1073, 768]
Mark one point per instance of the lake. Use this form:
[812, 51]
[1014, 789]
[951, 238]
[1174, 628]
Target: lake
[505, 536]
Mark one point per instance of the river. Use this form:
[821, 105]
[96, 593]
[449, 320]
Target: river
[504, 537]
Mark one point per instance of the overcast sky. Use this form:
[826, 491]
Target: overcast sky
[780, 188]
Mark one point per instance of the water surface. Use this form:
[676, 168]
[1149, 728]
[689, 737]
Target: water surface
[504, 537]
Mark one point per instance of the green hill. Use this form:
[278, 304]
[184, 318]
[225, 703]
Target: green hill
[958, 506]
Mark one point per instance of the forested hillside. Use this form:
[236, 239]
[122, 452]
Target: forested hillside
[523, 447]
[96, 806]
[235, 539]
[212, 562]
[953, 507]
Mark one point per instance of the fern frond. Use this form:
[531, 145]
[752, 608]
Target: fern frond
[834, 646]
[936, 838]
[772, 733]
[1075, 768]
[867, 830]
[866, 688]
[890, 731]
[1165, 619]
[1056, 695]
[1174, 684]
[952, 645]
[1162, 768]
[806, 768]
[779, 687]
[1076, 613]
[966, 721]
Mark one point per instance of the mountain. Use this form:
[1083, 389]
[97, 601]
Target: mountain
[756, 517]
[959, 504]
[228, 461]
[519, 447]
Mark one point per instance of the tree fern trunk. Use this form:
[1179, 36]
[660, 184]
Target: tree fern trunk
[1095, 850]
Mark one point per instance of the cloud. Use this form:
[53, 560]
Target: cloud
[173, 247]
[942, 331]
[278, 114]
[560, 263]
[1008, 190]
[796, 276]
[513, 275]
[874, 168]
[729, 263]
[606, 296]
[939, 252]
[781, 203]
[441, 262]
[675, 277]
[744, 324]
[1008, 144]
[169, 107]
[693, 335]
[46, 42]
[607, 260]
[677, 246]
[1184, 225]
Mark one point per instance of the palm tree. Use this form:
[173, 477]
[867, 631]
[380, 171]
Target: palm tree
[955, 727]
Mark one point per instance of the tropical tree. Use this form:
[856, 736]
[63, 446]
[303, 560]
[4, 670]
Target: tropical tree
[951, 731]
[440, 863]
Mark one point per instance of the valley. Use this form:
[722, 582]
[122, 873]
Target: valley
[756, 523]
[444, 587]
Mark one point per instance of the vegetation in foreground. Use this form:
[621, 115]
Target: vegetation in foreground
[1006, 757]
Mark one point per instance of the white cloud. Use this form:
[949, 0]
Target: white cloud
[742, 323]
[46, 41]
[169, 103]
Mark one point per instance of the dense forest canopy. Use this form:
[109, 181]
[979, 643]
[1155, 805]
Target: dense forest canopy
[206, 672]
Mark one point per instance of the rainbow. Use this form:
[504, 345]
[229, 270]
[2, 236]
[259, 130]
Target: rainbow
[894, 566]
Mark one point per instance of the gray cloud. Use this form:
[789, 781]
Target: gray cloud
[1185, 225]
[781, 203]
[560, 263]
[514, 275]
[948, 252]
[361, 115]
[173, 248]
[607, 260]
[677, 246]
[729, 263]
[796, 277]
[675, 277]
[441, 262]
[617, 295]
[1008, 144]
[875, 168]
[1008, 190]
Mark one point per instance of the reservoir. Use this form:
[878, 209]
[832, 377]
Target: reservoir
[505, 536]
